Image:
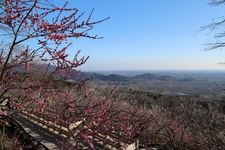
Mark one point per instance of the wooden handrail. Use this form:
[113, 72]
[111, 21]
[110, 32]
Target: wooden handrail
[110, 143]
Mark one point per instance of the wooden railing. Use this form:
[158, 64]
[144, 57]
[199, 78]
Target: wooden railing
[109, 142]
[60, 130]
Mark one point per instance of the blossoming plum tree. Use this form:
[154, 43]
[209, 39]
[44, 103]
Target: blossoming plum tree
[49, 27]
[39, 34]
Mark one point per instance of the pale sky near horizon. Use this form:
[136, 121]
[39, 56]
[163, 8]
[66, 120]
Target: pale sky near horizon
[150, 34]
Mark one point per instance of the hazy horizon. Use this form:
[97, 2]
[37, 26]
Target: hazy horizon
[165, 72]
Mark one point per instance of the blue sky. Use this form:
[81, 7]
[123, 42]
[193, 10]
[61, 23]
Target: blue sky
[150, 34]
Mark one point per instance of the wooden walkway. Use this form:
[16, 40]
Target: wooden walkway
[44, 136]
[52, 135]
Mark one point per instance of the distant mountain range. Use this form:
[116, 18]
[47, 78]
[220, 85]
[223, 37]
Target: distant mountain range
[119, 78]
[191, 84]
[203, 83]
